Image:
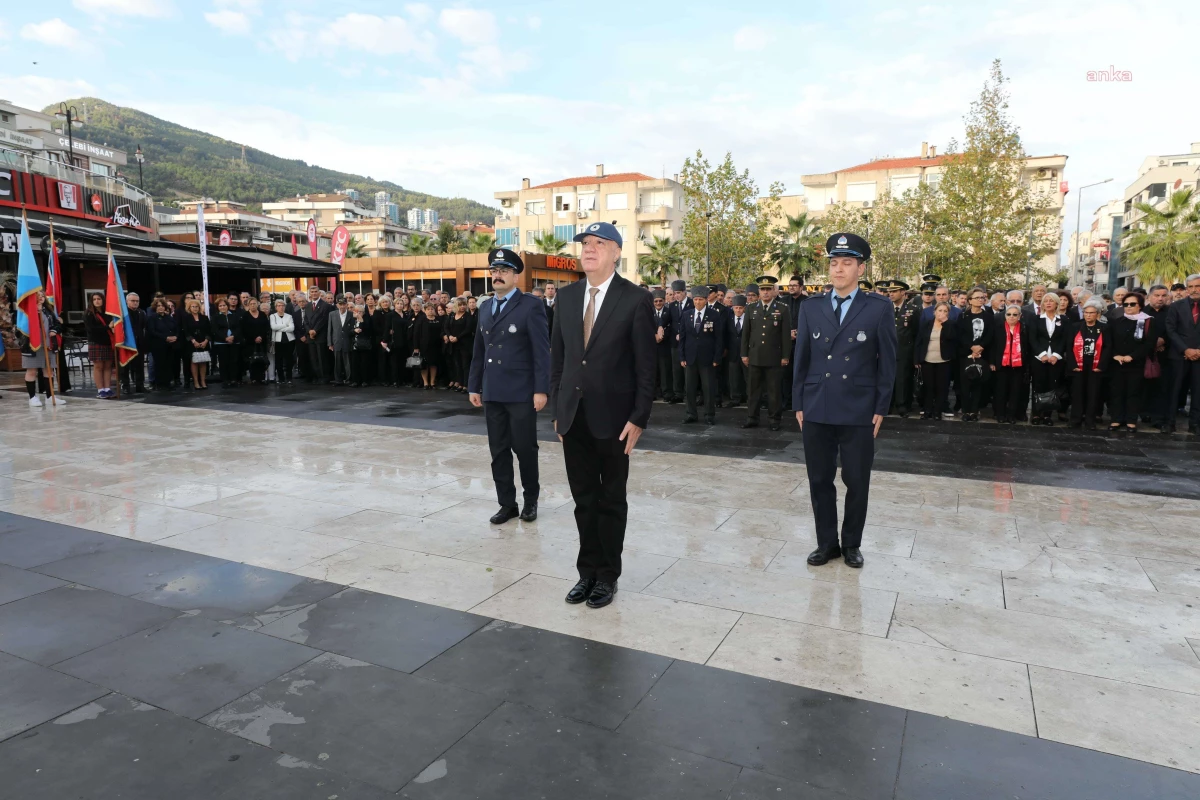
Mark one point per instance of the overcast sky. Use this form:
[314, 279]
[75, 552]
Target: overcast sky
[467, 99]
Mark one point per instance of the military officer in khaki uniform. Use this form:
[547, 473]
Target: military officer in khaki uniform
[766, 349]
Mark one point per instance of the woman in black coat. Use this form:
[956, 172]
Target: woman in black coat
[458, 346]
[975, 335]
[197, 339]
[1010, 357]
[163, 328]
[256, 334]
[1048, 334]
[402, 319]
[358, 333]
[936, 349]
[1132, 343]
[227, 342]
[427, 343]
[381, 337]
[100, 346]
[370, 314]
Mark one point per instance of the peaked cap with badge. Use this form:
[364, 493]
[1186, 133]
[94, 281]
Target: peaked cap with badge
[503, 257]
[848, 244]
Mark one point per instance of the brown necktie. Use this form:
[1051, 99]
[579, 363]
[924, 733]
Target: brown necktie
[589, 316]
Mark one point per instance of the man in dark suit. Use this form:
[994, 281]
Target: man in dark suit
[551, 299]
[133, 374]
[904, 315]
[602, 389]
[844, 373]
[664, 335]
[510, 378]
[678, 307]
[1183, 345]
[766, 350]
[738, 372]
[702, 339]
[318, 336]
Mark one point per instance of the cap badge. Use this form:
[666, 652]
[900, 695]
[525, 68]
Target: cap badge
[512, 328]
[842, 241]
[595, 227]
[499, 254]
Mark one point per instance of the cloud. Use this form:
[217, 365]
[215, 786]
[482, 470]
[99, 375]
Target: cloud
[235, 23]
[419, 12]
[379, 35]
[534, 22]
[469, 26]
[37, 91]
[750, 38]
[53, 32]
[126, 8]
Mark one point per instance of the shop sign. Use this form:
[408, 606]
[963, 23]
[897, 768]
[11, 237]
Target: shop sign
[123, 217]
[561, 262]
[20, 139]
[97, 203]
[93, 150]
[341, 240]
[68, 195]
[311, 230]
[225, 239]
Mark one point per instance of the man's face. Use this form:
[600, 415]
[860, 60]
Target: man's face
[927, 298]
[700, 301]
[1119, 294]
[132, 301]
[502, 279]
[1038, 291]
[1015, 297]
[739, 310]
[1158, 298]
[244, 296]
[679, 296]
[1193, 289]
[1075, 293]
[302, 301]
[598, 255]
[897, 296]
[1178, 294]
[794, 288]
[659, 303]
[766, 293]
[233, 301]
[341, 305]
[844, 272]
[314, 294]
[997, 301]
[551, 291]
[751, 297]
[942, 295]
[961, 301]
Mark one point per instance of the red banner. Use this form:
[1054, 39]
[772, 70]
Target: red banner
[341, 240]
[225, 239]
[294, 250]
[312, 238]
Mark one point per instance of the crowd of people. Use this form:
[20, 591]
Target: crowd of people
[1046, 356]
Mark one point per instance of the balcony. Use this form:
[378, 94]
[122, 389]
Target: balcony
[41, 165]
[659, 213]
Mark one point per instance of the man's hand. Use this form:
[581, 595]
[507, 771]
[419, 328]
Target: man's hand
[683, 363]
[630, 434]
[539, 401]
[746, 360]
[800, 419]
[658, 335]
[793, 336]
[783, 363]
[878, 420]
[976, 350]
[312, 333]
[1191, 354]
[1160, 345]
[477, 399]
[556, 433]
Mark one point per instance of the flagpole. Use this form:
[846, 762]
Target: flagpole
[111, 337]
[50, 275]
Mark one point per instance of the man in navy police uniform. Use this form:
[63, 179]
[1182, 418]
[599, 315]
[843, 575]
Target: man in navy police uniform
[843, 375]
[510, 378]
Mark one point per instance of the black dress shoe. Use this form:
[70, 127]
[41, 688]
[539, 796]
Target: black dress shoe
[504, 515]
[774, 426]
[602, 594]
[824, 555]
[750, 423]
[853, 557]
[710, 420]
[688, 420]
[581, 591]
[529, 512]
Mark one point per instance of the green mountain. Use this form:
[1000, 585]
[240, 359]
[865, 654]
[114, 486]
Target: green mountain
[183, 164]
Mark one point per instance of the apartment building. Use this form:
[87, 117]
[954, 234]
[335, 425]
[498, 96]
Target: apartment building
[423, 219]
[1158, 177]
[329, 210]
[641, 207]
[864, 184]
[380, 236]
[246, 228]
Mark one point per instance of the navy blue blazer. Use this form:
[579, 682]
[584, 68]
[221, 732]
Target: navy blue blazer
[663, 319]
[707, 346]
[678, 310]
[511, 359]
[844, 374]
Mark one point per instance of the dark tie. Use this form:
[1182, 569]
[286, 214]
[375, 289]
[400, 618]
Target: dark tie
[499, 307]
[699, 319]
[837, 311]
[739, 324]
[1195, 313]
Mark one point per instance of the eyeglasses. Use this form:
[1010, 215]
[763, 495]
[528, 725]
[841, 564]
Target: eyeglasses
[1132, 305]
[500, 270]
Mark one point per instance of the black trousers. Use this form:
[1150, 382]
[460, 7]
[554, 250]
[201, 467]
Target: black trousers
[1006, 399]
[284, 356]
[902, 392]
[133, 374]
[972, 387]
[316, 361]
[1086, 390]
[662, 371]
[937, 387]
[702, 376]
[166, 364]
[597, 470]
[739, 379]
[460, 365]
[512, 428]
[823, 444]
[722, 370]
[361, 364]
[1186, 377]
[1125, 386]
[383, 366]
[764, 379]
[227, 356]
[678, 376]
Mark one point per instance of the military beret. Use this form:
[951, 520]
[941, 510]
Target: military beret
[503, 257]
[848, 244]
[659, 294]
[678, 286]
[739, 299]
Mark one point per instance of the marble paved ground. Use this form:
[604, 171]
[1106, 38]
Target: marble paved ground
[1064, 614]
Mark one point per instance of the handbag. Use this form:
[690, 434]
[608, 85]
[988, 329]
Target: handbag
[201, 357]
[1153, 369]
[1044, 403]
[414, 361]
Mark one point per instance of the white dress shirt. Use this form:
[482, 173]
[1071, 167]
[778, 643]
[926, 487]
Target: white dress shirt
[1049, 330]
[587, 295]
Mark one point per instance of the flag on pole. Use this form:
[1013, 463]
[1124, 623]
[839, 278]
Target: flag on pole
[118, 316]
[294, 250]
[53, 275]
[29, 283]
[202, 237]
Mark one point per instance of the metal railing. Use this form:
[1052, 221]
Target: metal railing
[72, 174]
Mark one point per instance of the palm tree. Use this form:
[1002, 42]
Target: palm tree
[796, 252]
[355, 249]
[480, 243]
[1164, 246]
[419, 245]
[546, 242]
[664, 259]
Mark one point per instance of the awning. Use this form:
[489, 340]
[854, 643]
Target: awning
[91, 244]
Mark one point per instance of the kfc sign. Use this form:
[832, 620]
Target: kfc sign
[341, 240]
[68, 196]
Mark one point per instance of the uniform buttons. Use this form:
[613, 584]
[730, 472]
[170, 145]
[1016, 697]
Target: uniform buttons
[851, 339]
[847, 358]
[826, 374]
[843, 377]
[829, 356]
[584, 363]
[498, 361]
[489, 361]
[827, 338]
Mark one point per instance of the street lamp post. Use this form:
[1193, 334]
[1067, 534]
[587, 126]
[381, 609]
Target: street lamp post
[1078, 212]
[141, 158]
[71, 115]
[707, 246]
[1029, 251]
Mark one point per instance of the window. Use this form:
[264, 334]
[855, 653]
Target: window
[587, 202]
[621, 230]
[860, 192]
[506, 237]
[904, 183]
[617, 202]
[1179, 163]
[562, 202]
[535, 207]
[530, 236]
[934, 179]
[564, 232]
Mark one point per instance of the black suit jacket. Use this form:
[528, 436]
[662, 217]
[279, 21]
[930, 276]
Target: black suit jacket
[662, 319]
[614, 376]
[550, 309]
[319, 320]
[1182, 333]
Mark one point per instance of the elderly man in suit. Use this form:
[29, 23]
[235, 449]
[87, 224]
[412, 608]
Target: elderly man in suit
[602, 389]
[1183, 348]
[317, 335]
[510, 378]
[844, 375]
[338, 343]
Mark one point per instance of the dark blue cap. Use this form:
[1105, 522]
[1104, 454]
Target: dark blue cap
[848, 244]
[503, 257]
[604, 230]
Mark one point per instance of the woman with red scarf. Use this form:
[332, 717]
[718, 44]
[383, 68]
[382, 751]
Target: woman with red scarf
[1010, 351]
[1088, 356]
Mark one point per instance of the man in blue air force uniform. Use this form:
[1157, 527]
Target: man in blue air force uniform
[845, 369]
[510, 378]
